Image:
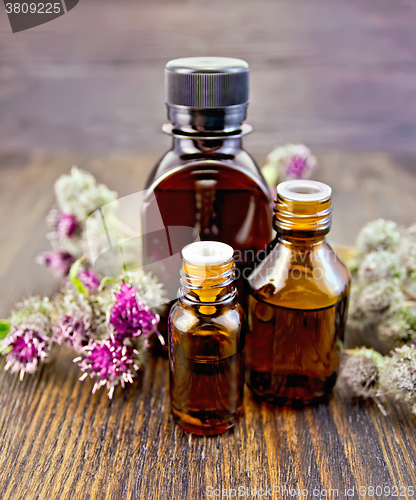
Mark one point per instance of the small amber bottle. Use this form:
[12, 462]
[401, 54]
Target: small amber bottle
[206, 340]
[297, 303]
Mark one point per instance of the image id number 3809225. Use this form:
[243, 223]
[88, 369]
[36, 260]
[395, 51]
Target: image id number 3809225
[33, 8]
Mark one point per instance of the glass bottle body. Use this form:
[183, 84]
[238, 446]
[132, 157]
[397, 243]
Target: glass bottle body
[298, 298]
[206, 367]
[207, 189]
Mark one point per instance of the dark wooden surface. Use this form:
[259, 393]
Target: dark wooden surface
[58, 441]
[331, 74]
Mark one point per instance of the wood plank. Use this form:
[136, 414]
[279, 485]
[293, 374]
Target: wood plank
[71, 443]
[333, 75]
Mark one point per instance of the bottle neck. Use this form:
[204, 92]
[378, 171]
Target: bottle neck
[223, 146]
[211, 124]
[207, 287]
[299, 220]
[218, 130]
[227, 120]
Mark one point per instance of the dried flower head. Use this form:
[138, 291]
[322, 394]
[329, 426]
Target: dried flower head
[33, 313]
[407, 248]
[292, 161]
[361, 371]
[58, 261]
[26, 350]
[75, 324]
[378, 235]
[356, 316]
[398, 378]
[29, 341]
[148, 287]
[399, 328]
[110, 362]
[129, 315]
[379, 298]
[410, 284]
[80, 195]
[66, 226]
[383, 265]
[89, 278]
[62, 226]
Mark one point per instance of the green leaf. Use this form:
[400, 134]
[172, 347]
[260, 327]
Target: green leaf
[73, 276]
[5, 349]
[131, 265]
[5, 326]
[104, 281]
[271, 174]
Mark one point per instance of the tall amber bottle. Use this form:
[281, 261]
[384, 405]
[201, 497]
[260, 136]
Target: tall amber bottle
[207, 186]
[297, 303]
[206, 341]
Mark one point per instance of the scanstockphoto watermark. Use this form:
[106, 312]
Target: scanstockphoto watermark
[380, 491]
[24, 14]
[120, 238]
[301, 266]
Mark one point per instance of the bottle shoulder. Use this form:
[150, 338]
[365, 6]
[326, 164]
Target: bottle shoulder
[216, 336]
[237, 166]
[188, 320]
[306, 277]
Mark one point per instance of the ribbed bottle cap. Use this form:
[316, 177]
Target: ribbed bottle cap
[206, 82]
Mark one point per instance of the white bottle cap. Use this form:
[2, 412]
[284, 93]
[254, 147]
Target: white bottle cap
[207, 253]
[304, 190]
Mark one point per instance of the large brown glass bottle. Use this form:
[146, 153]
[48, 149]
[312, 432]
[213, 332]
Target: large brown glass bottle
[206, 342]
[206, 187]
[297, 303]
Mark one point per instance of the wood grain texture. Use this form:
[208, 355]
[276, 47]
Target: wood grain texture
[58, 441]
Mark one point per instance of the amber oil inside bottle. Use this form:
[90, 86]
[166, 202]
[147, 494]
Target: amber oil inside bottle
[298, 297]
[206, 340]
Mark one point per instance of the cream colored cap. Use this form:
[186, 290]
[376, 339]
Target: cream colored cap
[304, 190]
[207, 253]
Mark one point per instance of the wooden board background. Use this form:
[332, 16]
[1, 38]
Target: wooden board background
[333, 75]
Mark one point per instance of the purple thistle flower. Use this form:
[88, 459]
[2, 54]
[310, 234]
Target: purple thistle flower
[292, 161]
[297, 167]
[52, 218]
[58, 261]
[110, 361]
[66, 225]
[89, 279]
[28, 349]
[129, 316]
[72, 331]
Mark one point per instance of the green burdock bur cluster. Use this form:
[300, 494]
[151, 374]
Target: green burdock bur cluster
[383, 298]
